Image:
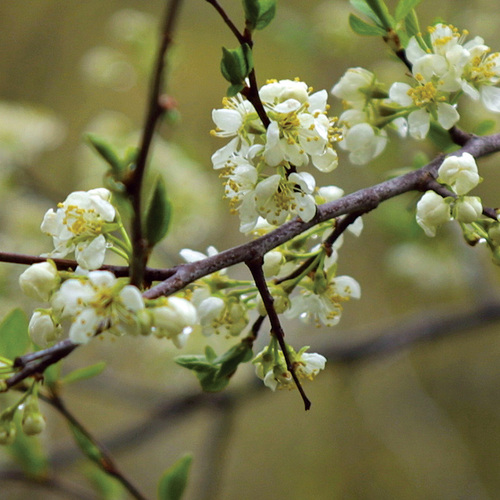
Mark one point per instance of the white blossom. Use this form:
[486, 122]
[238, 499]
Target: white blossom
[353, 87]
[42, 329]
[326, 306]
[460, 173]
[467, 209]
[432, 212]
[174, 319]
[40, 280]
[78, 225]
[98, 302]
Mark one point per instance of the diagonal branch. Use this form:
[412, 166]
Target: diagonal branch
[255, 267]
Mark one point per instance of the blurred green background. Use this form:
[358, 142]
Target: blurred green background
[419, 423]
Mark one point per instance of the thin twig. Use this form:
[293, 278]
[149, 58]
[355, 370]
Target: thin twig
[156, 110]
[105, 461]
[255, 267]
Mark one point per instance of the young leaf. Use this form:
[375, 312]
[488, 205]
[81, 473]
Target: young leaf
[259, 13]
[382, 12]
[236, 64]
[364, 8]
[229, 361]
[158, 214]
[105, 150]
[14, 339]
[173, 482]
[89, 449]
[404, 7]
[411, 24]
[362, 28]
[84, 373]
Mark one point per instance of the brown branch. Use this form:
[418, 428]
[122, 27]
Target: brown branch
[156, 109]
[255, 267]
[359, 202]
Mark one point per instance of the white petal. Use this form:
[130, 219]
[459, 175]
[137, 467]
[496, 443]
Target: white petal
[491, 98]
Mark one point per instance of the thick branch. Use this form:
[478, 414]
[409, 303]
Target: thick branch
[360, 202]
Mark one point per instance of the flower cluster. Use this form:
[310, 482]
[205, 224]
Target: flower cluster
[270, 366]
[259, 165]
[90, 303]
[443, 67]
[82, 224]
[362, 97]
[460, 175]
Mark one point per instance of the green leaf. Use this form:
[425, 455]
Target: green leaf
[229, 361]
[363, 28]
[259, 13]
[173, 482]
[236, 64]
[84, 373]
[214, 372]
[14, 338]
[106, 486]
[90, 450]
[210, 354]
[105, 150]
[382, 12]
[411, 24]
[404, 7]
[364, 8]
[158, 214]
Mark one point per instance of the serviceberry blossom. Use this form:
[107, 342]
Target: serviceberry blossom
[79, 225]
[98, 302]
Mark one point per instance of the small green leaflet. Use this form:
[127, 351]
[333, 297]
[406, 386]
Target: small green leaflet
[362, 28]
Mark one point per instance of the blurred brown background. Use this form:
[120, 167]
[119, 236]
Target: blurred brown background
[422, 422]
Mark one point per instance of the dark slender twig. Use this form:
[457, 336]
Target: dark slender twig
[105, 461]
[156, 110]
[228, 21]
[255, 267]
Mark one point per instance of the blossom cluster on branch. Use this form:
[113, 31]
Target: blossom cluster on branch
[280, 137]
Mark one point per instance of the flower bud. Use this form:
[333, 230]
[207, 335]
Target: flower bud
[42, 329]
[8, 432]
[33, 422]
[467, 209]
[174, 320]
[40, 280]
[459, 172]
[272, 263]
[494, 233]
[432, 211]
